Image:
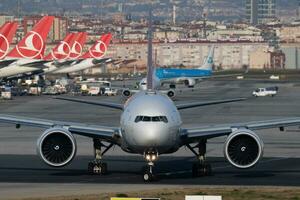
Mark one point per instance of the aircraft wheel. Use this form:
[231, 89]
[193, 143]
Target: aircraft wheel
[148, 177]
[97, 168]
[199, 170]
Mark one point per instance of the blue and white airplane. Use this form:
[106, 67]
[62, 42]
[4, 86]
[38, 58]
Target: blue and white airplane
[187, 76]
[174, 76]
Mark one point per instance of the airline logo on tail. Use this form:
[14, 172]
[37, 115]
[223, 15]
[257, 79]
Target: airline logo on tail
[99, 50]
[210, 60]
[32, 46]
[4, 46]
[77, 47]
[76, 50]
[7, 32]
[62, 52]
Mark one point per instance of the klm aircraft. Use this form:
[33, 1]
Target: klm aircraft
[175, 76]
[187, 76]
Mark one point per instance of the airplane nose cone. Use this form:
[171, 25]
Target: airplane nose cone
[152, 136]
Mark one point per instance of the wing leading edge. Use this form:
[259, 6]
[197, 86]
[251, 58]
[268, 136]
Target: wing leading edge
[103, 132]
[206, 132]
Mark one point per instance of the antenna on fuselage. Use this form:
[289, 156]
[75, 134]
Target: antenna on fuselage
[150, 70]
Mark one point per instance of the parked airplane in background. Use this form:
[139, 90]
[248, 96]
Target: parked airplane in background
[187, 76]
[65, 52]
[29, 52]
[27, 58]
[7, 32]
[176, 76]
[62, 50]
[92, 57]
[150, 125]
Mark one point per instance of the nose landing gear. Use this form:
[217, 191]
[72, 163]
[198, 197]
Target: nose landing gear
[150, 157]
[202, 167]
[97, 166]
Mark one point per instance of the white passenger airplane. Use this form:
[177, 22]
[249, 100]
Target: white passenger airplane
[150, 125]
[91, 58]
[29, 52]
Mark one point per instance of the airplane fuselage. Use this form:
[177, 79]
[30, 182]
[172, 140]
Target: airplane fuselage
[150, 122]
[177, 73]
[85, 64]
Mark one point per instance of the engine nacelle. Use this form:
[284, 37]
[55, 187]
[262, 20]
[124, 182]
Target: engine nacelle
[190, 82]
[243, 148]
[171, 93]
[126, 93]
[57, 147]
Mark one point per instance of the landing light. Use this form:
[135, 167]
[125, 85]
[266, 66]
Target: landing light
[148, 157]
[151, 157]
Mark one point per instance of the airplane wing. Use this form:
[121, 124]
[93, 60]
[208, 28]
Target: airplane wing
[102, 60]
[207, 103]
[5, 63]
[97, 103]
[206, 132]
[37, 64]
[65, 63]
[103, 132]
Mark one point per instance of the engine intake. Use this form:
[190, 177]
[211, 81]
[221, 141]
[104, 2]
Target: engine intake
[57, 147]
[126, 93]
[171, 93]
[243, 148]
[190, 82]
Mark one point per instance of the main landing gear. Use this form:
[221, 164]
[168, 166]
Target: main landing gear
[150, 157]
[201, 167]
[97, 166]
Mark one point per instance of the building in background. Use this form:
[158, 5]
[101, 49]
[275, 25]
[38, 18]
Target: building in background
[260, 11]
[6, 18]
[263, 58]
[292, 54]
[234, 55]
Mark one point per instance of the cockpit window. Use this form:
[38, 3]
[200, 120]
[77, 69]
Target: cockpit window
[151, 119]
[163, 119]
[146, 119]
[155, 119]
[138, 119]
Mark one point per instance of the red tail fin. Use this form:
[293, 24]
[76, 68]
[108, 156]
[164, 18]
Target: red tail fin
[99, 49]
[33, 44]
[7, 32]
[77, 47]
[62, 50]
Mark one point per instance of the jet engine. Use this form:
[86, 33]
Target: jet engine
[171, 93]
[243, 148]
[190, 82]
[126, 93]
[57, 147]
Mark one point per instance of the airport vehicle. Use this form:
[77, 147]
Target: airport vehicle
[94, 91]
[110, 92]
[262, 92]
[29, 52]
[150, 125]
[274, 77]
